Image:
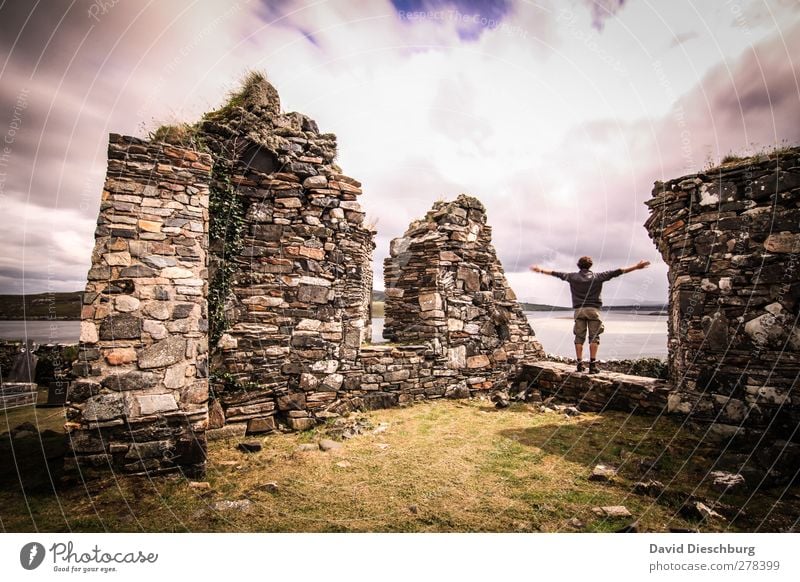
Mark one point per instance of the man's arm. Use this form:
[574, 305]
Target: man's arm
[640, 265]
[538, 269]
[606, 275]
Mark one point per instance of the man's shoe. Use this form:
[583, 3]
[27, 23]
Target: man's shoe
[593, 368]
[580, 367]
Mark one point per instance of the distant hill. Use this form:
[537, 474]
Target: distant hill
[379, 296]
[41, 306]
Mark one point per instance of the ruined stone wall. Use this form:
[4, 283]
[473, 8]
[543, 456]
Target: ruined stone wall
[139, 402]
[731, 239]
[298, 299]
[445, 286]
[289, 283]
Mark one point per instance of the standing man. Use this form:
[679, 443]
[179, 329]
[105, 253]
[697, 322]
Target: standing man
[586, 287]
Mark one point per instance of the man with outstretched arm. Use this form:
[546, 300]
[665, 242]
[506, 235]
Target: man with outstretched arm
[586, 287]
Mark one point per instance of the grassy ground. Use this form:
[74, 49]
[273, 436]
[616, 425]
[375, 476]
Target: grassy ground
[438, 466]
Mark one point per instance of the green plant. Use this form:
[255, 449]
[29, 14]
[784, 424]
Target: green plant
[226, 224]
[254, 90]
[179, 134]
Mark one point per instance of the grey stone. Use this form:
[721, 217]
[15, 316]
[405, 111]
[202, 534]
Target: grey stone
[727, 482]
[116, 327]
[313, 294]
[155, 403]
[650, 488]
[159, 261]
[157, 309]
[103, 407]
[603, 473]
[240, 505]
[135, 271]
[329, 445]
[612, 511]
[182, 310]
[164, 353]
[134, 380]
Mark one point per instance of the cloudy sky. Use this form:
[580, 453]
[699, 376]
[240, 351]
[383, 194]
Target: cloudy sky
[558, 115]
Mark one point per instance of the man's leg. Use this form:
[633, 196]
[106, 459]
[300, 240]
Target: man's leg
[595, 329]
[579, 329]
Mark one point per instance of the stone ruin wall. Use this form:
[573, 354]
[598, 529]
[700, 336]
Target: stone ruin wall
[297, 306]
[139, 401]
[288, 275]
[445, 287]
[730, 238]
[290, 263]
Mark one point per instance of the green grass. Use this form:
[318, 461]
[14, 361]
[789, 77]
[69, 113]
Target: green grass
[449, 466]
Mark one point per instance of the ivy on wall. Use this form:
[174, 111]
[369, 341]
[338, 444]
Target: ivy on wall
[226, 226]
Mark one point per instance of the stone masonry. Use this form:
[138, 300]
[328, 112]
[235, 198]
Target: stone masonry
[139, 402]
[298, 305]
[289, 284]
[445, 286]
[730, 238]
[241, 228]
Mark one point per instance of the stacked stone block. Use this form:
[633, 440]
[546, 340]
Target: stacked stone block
[445, 286]
[139, 401]
[731, 238]
[299, 307]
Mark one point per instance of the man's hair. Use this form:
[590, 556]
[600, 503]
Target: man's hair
[585, 263]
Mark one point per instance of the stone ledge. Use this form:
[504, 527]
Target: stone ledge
[596, 392]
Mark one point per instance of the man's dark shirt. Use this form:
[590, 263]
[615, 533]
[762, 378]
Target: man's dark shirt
[586, 286]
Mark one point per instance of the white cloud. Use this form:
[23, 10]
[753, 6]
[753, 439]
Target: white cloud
[558, 129]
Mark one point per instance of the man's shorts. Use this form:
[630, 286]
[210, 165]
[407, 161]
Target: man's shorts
[587, 319]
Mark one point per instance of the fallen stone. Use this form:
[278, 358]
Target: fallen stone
[612, 511]
[236, 430]
[271, 487]
[699, 510]
[603, 473]
[200, 485]
[242, 505]
[727, 482]
[501, 399]
[650, 488]
[329, 445]
[307, 448]
[343, 464]
[576, 523]
[249, 446]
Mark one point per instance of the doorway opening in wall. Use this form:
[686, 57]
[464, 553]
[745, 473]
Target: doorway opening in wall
[631, 331]
[377, 313]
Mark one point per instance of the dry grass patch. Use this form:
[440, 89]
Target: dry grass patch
[439, 466]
